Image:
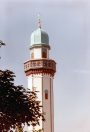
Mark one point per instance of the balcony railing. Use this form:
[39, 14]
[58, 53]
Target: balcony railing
[37, 64]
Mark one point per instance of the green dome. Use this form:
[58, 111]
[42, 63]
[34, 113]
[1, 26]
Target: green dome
[39, 37]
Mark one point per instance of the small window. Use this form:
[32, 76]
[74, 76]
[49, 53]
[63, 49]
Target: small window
[39, 64]
[44, 64]
[46, 94]
[50, 65]
[31, 65]
[44, 53]
[32, 55]
[35, 63]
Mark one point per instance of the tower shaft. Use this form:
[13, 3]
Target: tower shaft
[40, 73]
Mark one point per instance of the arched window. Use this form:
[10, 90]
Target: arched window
[32, 55]
[46, 94]
[44, 53]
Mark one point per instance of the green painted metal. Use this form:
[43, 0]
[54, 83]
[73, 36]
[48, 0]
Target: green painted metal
[40, 37]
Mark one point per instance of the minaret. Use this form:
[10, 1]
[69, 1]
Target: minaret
[40, 73]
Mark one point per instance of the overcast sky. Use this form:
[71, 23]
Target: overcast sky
[67, 23]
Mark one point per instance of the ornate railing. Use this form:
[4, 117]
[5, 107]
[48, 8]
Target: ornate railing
[37, 64]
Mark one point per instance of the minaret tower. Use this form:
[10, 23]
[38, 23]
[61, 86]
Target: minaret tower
[40, 73]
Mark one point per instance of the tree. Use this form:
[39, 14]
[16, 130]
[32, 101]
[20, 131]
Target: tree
[40, 130]
[17, 106]
[19, 129]
[1, 43]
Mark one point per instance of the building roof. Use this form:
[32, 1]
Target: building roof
[39, 37]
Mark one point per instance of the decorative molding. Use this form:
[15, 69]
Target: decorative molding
[40, 66]
[38, 71]
[39, 46]
[40, 59]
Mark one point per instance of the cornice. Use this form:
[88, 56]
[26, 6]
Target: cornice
[38, 64]
[39, 46]
[38, 71]
[41, 59]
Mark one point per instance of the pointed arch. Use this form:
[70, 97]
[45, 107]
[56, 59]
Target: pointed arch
[44, 53]
[46, 94]
[32, 55]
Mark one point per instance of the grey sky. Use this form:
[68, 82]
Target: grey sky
[67, 23]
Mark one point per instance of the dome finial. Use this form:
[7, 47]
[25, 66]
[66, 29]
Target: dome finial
[39, 20]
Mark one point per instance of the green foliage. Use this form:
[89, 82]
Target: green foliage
[40, 130]
[17, 106]
[19, 129]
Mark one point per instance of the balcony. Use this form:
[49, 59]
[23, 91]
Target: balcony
[40, 64]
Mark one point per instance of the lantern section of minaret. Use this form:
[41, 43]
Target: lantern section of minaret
[40, 73]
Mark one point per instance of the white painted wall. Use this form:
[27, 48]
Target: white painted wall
[48, 107]
[29, 80]
[37, 82]
[46, 103]
[38, 53]
[48, 53]
[43, 82]
[52, 104]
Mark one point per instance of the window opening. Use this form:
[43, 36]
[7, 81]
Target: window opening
[46, 94]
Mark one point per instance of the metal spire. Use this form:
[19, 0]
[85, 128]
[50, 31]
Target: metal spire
[39, 20]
